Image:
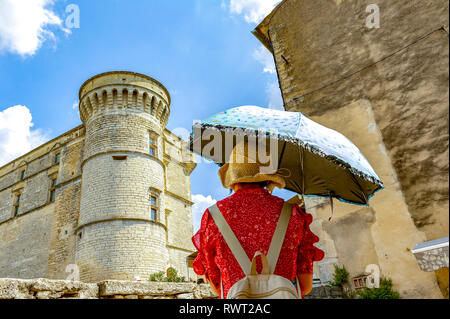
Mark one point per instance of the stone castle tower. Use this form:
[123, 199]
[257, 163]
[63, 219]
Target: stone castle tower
[111, 196]
[124, 115]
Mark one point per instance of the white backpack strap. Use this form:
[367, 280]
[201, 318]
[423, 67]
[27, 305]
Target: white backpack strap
[299, 291]
[231, 239]
[278, 236]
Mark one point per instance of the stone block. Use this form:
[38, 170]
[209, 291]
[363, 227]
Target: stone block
[113, 287]
[9, 288]
[203, 291]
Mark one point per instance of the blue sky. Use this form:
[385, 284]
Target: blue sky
[201, 50]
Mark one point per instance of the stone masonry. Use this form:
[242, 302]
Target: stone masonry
[109, 199]
[116, 289]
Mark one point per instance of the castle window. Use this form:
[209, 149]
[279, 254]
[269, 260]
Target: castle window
[154, 204]
[57, 158]
[22, 175]
[17, 204]
[53, 190]
[120, 158]
[153, 144]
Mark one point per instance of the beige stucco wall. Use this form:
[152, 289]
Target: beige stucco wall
[382, 234]
[326, 58]
[386, 89]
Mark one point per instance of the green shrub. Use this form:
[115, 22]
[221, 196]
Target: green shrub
[385, 291]
[159, 276]
[340, 276]
[172, 276]
[348, 294]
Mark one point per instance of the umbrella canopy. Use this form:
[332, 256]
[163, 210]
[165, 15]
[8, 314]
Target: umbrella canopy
[321, 161]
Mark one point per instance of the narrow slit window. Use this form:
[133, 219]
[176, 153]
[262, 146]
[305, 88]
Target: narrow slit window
[17, 204]
[153, 214]
[154, 205]
[120, 157]
[57, 158]
[22, 175]
[53, 190]
[153, 145]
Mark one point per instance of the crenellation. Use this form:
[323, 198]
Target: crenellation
[127, 95]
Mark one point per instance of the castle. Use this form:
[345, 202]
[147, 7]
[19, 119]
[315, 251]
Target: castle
[109, 199]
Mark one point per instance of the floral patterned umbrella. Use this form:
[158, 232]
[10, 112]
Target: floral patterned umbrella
[321, 161]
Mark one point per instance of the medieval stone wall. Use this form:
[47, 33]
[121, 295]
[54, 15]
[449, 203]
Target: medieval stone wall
[39, 241]
[114, 237]
[115, 289]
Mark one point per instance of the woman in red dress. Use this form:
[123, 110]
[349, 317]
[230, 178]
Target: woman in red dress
[252, 213]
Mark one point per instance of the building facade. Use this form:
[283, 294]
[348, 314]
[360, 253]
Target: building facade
[110, 199]
[377, 73]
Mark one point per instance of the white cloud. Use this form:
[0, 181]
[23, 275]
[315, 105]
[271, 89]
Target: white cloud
[263, 56]
[16, 136]
[253, 10]
[201, 203]
[24, 25]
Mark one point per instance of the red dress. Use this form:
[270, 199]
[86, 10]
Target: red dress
[253, 214]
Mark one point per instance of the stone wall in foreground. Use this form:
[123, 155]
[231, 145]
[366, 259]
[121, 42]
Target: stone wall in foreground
[116, 289]
[11, 288]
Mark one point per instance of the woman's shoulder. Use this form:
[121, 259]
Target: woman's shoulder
[250, 194]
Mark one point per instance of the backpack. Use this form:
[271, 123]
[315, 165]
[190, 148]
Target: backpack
[258, 286]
